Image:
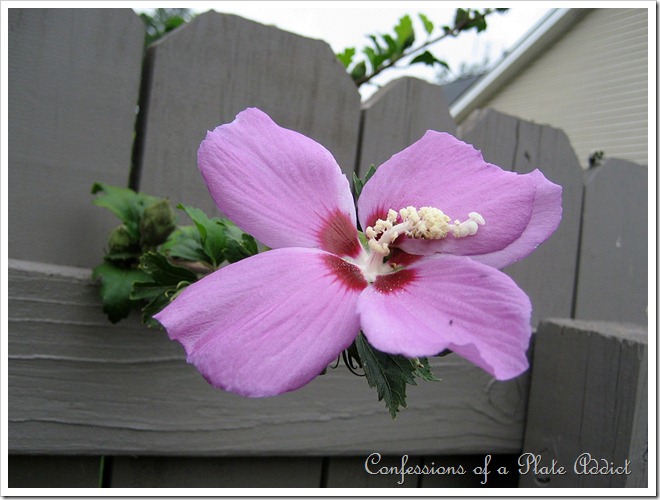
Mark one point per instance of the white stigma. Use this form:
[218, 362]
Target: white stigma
[426, 223]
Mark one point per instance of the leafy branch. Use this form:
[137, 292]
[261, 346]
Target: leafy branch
[388, 49]
[150, 259]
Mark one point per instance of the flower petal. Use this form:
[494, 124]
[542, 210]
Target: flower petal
[450, 302]
[443, 172]
[283, 188]
[268, 324]
[546, 216]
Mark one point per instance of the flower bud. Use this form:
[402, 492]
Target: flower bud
[156, 224]
[120, 240]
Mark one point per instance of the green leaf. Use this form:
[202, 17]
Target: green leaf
[358, 183]
[359, 71]
[370, 173]
[479, 23]
[125, 203]
[162, 272]
[185, 243]
[423, 369]
[428, 59]
[173, 22]
[380, 50]
[392, 46]
[115, 289]
[461, 17]
[239, 244]
[157, 297]
[346, 57]
[387, 373]
[376, 59]
[428, 25]
[212, 234]
[164, 282]
[405, 35]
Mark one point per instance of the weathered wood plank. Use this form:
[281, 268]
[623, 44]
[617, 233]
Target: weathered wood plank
[548, 274]
[588, 395]
[613, 273]
[79, 385]
[24, 471]
[474, 466]
[204, 73]
[398, 115]
[351, 472]
[73, 76]
[216, 472]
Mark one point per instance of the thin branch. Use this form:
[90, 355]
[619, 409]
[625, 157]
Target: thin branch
[452, 32]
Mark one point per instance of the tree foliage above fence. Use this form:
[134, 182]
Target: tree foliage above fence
[387, 51]
[398, 47]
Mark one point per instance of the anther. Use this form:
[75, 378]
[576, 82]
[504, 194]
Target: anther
[426, 223]
[469, 227]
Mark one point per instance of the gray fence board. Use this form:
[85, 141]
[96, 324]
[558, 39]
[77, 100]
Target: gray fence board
[216, 472]
[350, 472]
[81, 385]
[588, 384]
[73, 81]
[613, 279]
[204, 73]
[548, 274]
[398, 115]
[26, 471]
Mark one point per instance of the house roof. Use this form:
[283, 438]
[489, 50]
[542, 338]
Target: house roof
[454, 90]
[539, 38]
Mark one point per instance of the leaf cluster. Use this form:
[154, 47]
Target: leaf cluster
[386, 50]
[150, 259]
[159, 22]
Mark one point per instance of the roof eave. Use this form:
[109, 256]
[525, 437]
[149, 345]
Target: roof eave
[551, 28]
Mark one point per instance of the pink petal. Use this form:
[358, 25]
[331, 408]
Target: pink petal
[442, 172]
[449, 302]
[546, 216]
[278, 185]
[268, 324]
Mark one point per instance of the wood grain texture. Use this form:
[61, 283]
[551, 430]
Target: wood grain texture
[588, 395]
[398, 115]
[202, 75]
[548, 274]
[74, 76]
[613, 279]
[79, 385]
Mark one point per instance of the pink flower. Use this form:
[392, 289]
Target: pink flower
[439, 222]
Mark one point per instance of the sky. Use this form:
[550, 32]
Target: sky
[347, 24]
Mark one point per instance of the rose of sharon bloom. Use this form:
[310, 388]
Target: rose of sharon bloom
[439, 222]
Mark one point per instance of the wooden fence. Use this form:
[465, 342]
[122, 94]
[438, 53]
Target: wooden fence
[83, 392]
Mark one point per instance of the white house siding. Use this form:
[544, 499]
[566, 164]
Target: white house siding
[592, 83]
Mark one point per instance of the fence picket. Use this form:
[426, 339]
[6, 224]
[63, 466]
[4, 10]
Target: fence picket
[73, 80]
[588, 395]
[613, 279]
[397, 115]
[548, 274]
[204, 73]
